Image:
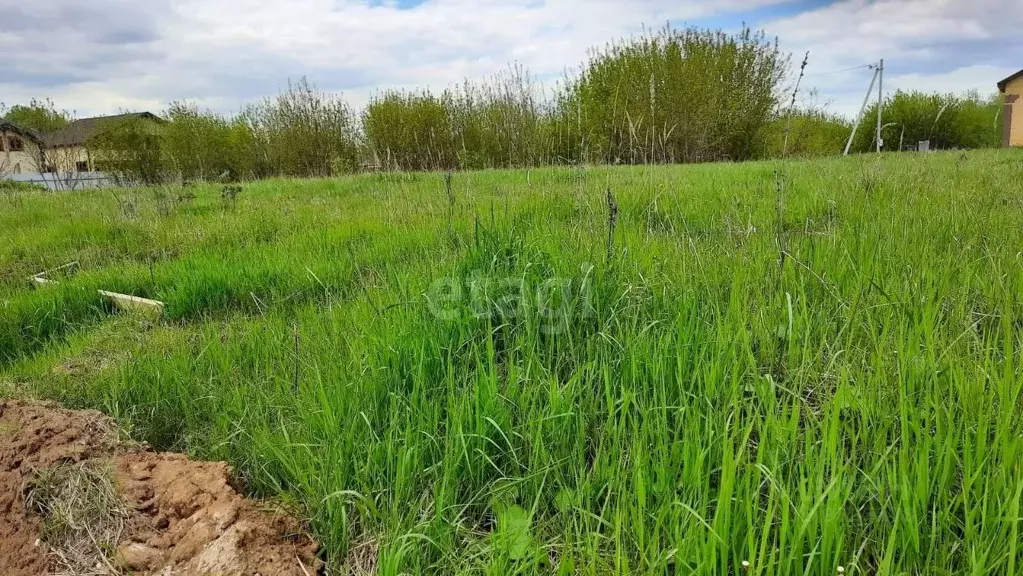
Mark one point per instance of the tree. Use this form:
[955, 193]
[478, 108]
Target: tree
[130, 150]
[38, 116]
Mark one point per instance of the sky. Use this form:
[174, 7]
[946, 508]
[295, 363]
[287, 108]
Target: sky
[109, 56]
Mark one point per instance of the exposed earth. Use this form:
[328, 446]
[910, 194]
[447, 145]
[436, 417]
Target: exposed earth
[179, 516]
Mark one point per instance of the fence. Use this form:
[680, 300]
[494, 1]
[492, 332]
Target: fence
[66, 180]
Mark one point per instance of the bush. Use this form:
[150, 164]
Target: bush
[9, 186]
[37, 115]
[496, 123]
[411, 131]
[810, 133]
[131, 150]
[198, 144]
[947, 120]
[301, 132]
[674, 96]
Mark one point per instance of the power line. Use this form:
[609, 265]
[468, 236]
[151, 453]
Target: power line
[842, 70]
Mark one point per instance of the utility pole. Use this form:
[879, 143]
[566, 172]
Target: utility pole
[859, 116]
[880, 102]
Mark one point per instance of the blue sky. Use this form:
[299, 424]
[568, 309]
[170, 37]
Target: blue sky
[106, 56]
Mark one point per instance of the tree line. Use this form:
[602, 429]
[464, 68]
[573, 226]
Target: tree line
[670, 96]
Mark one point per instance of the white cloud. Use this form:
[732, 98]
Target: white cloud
[109, 55]
[224, 52]
[980, 78]
[944, 45]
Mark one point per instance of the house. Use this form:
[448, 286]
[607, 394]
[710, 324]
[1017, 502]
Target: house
[19, 149]
[1012, 127]
[72, 148]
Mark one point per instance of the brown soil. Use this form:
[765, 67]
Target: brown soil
[186, 516]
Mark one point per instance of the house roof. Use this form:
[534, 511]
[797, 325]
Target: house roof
[80, 131]
[1004, 83]
[8, 126]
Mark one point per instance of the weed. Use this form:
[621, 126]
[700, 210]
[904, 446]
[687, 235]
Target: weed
[83, 517]
[229, 195]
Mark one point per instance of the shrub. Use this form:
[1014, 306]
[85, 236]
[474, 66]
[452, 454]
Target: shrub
[301, 132]
[37, 115]
[411, 130]
[947, 120]
[675, 96]
[810, 133]
[198, 144]
[131, 150]
[496, 123]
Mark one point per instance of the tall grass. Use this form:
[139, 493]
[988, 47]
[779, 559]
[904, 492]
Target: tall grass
[799, 365]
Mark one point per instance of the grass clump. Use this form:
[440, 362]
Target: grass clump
[83, 517]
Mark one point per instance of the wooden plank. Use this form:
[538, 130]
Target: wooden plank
[134, 303]
[125, 302]
[68, 265]
[41, 278]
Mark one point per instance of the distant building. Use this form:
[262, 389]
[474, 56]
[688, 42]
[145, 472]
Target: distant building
[19, 149]
[70, 149]
[1012, 124]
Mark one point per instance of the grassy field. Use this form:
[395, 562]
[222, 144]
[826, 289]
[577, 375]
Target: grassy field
[799, 365]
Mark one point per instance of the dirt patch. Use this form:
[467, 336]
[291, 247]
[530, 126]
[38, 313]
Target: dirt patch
[184, 516]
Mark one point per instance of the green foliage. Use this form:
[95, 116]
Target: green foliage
[201, 145]
[131, 150]
[799, 364]
[8, 186]
[512, 536]
[497, 123]
[411, 131]
[301, 132]
[671, 96]
[38, 116]
[947, 120]
[810, 133]
[675, 96]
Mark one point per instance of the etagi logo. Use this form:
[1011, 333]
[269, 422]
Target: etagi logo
[552, 303]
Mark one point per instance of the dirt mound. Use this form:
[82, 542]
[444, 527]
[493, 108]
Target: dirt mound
[185, 517]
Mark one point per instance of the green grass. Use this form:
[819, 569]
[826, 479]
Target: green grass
[802, 365]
